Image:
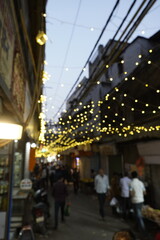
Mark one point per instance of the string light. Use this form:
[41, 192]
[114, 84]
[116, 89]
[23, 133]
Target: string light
[41, 38]
[82, 120]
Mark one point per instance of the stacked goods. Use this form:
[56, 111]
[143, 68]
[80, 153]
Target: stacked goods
[151, 214]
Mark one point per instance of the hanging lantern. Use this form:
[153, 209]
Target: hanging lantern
[41, 38]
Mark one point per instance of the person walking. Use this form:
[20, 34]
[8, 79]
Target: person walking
[137, 191]
[59, 193]
[114, 192]
[76, 179]
[101, 186]
[125, 194]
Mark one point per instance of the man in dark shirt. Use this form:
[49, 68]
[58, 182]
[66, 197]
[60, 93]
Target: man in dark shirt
[59, 193]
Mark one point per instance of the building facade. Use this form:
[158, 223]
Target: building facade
[112, 117]
[21, 68]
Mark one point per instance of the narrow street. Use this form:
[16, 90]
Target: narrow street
[84, 221]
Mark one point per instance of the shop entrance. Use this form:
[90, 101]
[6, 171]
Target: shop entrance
[115, 165]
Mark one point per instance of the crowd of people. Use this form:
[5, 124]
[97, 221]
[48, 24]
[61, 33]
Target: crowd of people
[124, 192]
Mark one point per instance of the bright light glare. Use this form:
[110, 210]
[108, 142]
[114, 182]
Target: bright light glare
[10, 131]
[33, 145]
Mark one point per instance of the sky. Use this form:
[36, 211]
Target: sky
[73, 27]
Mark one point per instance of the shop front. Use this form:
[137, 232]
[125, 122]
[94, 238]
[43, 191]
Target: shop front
[150, 152]
[7, 154]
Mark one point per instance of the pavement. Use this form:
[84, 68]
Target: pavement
[84, 222]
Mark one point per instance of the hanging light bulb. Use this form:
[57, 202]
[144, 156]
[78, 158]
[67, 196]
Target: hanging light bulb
[41, 38]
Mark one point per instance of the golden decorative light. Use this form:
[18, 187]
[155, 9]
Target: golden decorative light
[41, 38]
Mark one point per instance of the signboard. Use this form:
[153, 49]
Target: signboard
[26, 184]
[7, 36]
[18, 80]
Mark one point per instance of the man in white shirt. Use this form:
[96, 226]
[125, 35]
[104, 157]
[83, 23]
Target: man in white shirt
[101, 186]
[125, 194]
[137, 191]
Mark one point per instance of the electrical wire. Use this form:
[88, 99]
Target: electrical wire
[104, 28]
[68, 48]
[120, 43]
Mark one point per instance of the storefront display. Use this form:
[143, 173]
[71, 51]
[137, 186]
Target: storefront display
[151, 214]
[4, 178]
[4, 187]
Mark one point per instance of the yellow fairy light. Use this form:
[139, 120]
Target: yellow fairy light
[133, 78]
[122, 61]
[122, 104]
[114, 98]
[136, 63]
[149, 62]
[111, 79]
[125, 94]
[125, 73]
[143, 112]
[136, 100]
[116, 114]
[146, 85]
[116, 89]
[126, 79]
[107, 66]
[41, 38]
[158, 91]
[98, 82]
[140, 56]
[123, 119]
[132, 109]
[150, 51]
[154, 111]
[109, 107]
[79, 85]
[147, 105]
